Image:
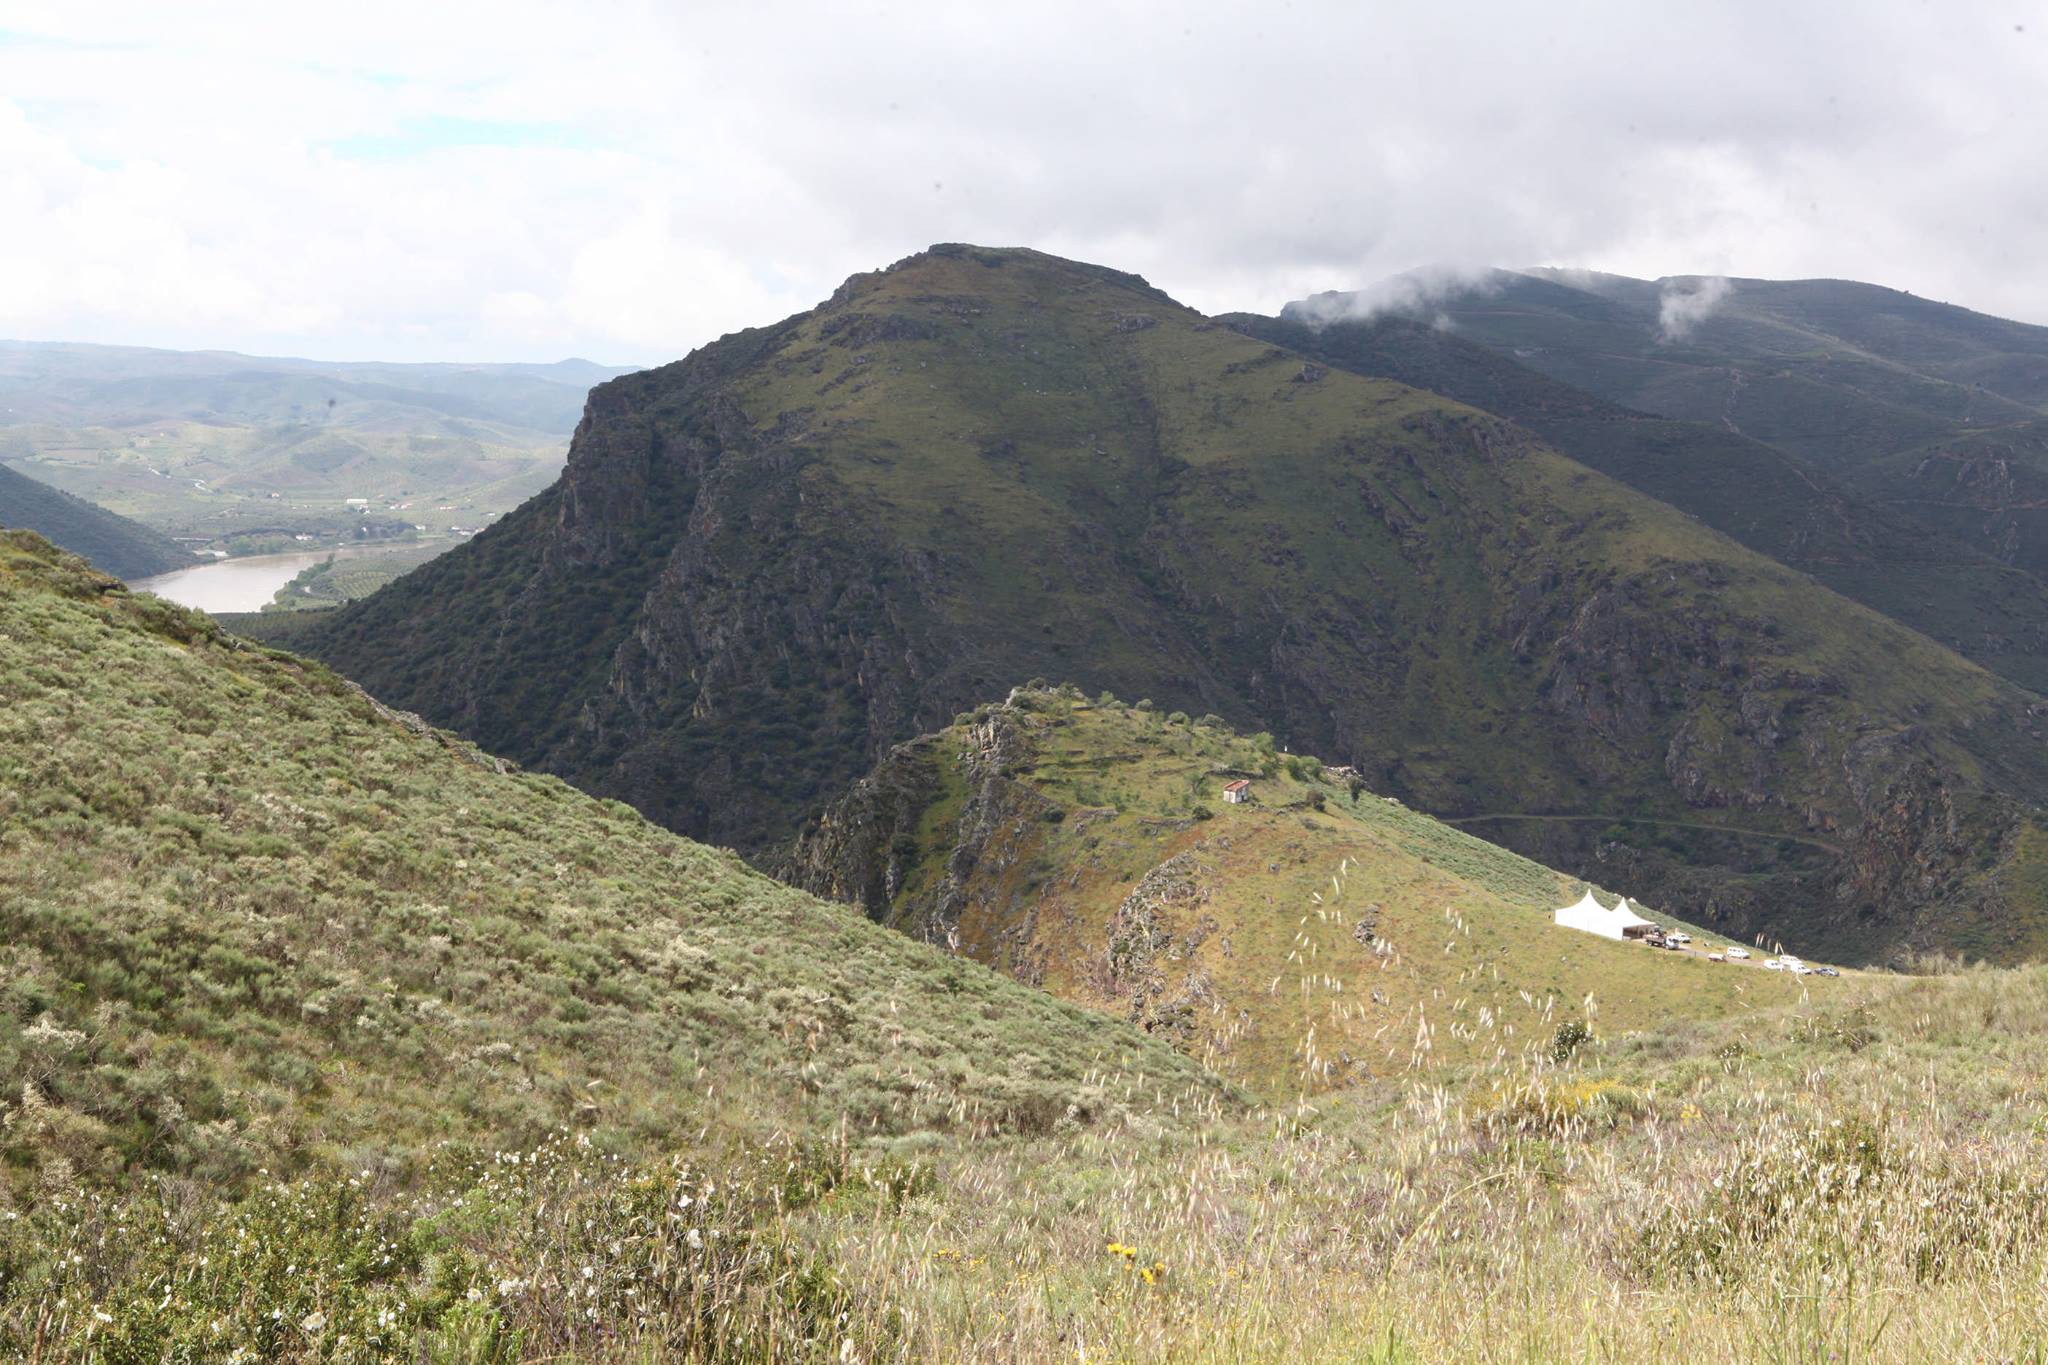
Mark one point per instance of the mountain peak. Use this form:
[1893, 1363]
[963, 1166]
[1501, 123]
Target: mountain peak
[946, 267]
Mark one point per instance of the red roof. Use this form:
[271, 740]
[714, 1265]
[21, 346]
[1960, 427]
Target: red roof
[1237, 786]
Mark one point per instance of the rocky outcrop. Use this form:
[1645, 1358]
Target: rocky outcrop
[865, 847]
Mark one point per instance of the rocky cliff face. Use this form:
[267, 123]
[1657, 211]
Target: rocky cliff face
[768, 564]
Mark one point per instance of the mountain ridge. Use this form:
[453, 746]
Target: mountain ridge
[1929, 407]
[768, 562]
[1773, 502]
[1299, 938]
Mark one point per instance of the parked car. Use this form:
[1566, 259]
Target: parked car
[1738, 954]
[1771, 964]
[1825, 971]
[1678, 936]
[1715, 957]
[1798, 969]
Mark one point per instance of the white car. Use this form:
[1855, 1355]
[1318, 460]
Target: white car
[1715, 957]
[1738, 953]
[1799, 969]
[1771, 964]
[1679, 938]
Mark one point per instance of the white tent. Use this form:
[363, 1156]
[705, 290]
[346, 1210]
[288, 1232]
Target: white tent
[1590, 915]
[1633, 912]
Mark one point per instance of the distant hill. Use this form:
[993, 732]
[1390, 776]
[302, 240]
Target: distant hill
[255, 450]
[121, 547]
[75, 385]
[768, 563]
[1857, 542]
[239, 888]
[1933, 409]
[1300, 941]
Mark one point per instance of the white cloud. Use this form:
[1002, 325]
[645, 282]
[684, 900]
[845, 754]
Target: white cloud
[627, 179]
[1416, 293]
[1685, 303]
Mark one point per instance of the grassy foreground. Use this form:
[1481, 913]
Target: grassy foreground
[324, 1039]
[1856, 1182]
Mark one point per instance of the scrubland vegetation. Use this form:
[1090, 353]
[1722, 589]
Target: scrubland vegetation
[1854, 1182]
[326, 1039]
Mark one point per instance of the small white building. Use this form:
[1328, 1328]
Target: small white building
[1588, 914]
[1238, 792]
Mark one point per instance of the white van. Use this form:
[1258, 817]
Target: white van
[1772, 964]
[1739, 954]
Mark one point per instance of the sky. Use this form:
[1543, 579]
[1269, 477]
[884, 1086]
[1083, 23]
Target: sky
[624, 180]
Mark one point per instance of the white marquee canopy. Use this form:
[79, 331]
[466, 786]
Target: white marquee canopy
[1594, 918]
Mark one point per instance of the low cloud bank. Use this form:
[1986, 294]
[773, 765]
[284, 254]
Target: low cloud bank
[1415, 294]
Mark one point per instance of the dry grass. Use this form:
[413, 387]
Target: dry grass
[1856, 1181]
[1859, 1182]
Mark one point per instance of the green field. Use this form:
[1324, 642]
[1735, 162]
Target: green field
[335, 581]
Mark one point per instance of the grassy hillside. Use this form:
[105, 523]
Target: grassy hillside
[121, 547]
[1313, 937]
[1855, 1174]
[1858, 543]
[254, 920]
[769, 562]
[328, 1039]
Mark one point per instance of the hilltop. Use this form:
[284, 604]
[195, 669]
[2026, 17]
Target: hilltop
[253, 919]
[123, 548]
[1311, 937]
[769, 562]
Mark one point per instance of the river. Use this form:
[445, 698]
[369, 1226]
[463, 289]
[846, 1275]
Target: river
[245, 584]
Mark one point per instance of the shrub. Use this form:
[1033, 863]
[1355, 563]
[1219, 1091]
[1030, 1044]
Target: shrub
[1571, 1035]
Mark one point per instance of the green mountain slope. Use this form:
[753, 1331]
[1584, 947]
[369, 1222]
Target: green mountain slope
[1932, 408]
[251, 919]
[1311, 937]
[767, 563]
[121, 547]
[1857, 543]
